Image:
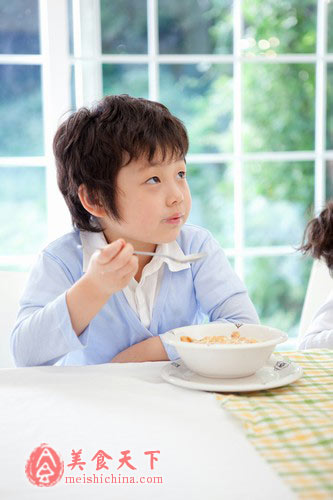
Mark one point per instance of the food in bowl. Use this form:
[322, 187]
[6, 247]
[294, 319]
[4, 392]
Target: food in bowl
[220, 359]
[234, 338]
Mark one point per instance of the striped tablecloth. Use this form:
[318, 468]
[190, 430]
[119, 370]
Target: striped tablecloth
[292, 426]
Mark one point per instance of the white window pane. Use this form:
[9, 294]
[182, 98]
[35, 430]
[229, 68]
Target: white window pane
[279, 107]
[329, 27]
[22, 210]
[277, 286]
[278, 199]
[19, 33]
[201, 96]
[195, 27]
[21, 132]
[129, 79]
[272, 27]
[124, 27]
[329, 114]
[329, 180]
[212, 200]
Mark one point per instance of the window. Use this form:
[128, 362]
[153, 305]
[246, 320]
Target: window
[34, 93]
[253, 82]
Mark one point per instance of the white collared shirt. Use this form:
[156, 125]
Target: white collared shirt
[140, 296]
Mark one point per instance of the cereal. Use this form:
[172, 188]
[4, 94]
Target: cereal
[185, 339]
[235, 338]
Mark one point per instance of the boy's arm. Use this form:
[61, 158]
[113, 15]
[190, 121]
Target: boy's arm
[109, 270]
[43, 332]
[83, 303]
[148, 350]
[55, 312]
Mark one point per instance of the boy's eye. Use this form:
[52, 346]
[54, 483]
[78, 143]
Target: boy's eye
[152, 179]
[157, 179]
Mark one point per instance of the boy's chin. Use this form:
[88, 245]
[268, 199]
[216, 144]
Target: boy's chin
[168, 236]
[169, 239]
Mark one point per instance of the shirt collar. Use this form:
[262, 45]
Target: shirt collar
[95, 241]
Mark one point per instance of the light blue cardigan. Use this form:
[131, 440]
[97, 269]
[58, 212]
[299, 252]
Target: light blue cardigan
[43, 334]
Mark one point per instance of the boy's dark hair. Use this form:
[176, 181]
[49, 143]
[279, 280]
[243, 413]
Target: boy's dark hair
[92, 145]
[318, 236]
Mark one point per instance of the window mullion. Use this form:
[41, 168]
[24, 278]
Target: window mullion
[320, 105]
[56, 101]
[87, 52]
[237, 141]
[153, 49]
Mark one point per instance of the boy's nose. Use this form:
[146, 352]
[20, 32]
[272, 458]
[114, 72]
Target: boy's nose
[175, 196]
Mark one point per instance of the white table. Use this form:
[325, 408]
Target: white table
[204, 453]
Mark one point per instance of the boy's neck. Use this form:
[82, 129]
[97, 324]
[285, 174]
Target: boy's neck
[141, 246]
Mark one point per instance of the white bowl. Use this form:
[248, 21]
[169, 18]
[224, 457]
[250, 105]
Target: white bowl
[225, 360]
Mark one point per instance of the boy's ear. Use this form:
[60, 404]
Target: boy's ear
[92, 208]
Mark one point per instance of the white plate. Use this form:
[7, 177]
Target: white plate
[277, 372]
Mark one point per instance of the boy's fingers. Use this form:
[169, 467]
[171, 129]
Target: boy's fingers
[122, 270]
[105, 254]
[122, 259]
[133, 266]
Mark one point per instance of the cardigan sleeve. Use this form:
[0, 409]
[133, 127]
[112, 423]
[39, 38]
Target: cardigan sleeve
[219, 291]
[43, 331]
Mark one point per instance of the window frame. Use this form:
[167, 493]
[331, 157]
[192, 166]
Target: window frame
[57, 62]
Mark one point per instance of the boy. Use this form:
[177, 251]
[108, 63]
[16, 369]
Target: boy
[121, 169]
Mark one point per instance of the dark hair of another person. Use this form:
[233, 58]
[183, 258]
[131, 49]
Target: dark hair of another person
[92, 145]
[318, 237]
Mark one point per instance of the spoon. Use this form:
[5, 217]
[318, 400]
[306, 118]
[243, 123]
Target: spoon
[187, 258]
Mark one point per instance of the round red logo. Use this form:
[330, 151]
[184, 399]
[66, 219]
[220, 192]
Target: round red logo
[44, 467]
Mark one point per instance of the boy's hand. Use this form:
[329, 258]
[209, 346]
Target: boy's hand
[111, 268]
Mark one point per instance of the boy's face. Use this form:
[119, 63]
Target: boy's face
[149, 195]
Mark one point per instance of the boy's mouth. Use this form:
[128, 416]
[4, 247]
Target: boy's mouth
[174, 219]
